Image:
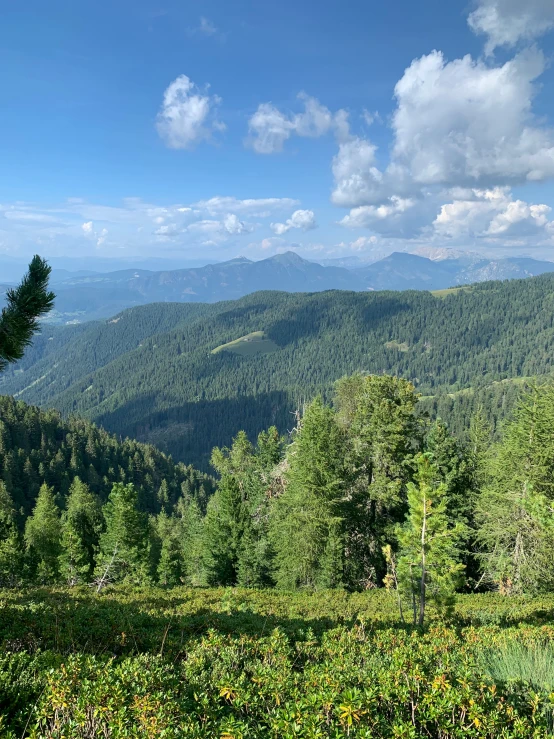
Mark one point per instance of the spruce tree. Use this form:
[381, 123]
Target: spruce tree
[514, 509]
[170, 565]
[382, 432]
[307, 529]
[43, 537]
[26, 304]
[124, 545]
[82, 525]
[429, 567]
[11, 545]
[192, 542]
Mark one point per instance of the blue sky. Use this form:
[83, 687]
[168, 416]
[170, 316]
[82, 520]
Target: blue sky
[213, 129]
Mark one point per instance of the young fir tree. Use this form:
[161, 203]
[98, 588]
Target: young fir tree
[170, 569]
[11, 545]
[307, 528]
[514, 511]
[43, 537]
[429, 567]
[26, 304]
[124, 545]
[82, 525]
[191, 535]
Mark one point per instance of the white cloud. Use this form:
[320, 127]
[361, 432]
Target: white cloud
[269, 128]
[493, 214]
[463, 123]
[255, 207]
[367, 215]
[506, 22]
[233, 225]
[207, 27]
[90, 232]
[187, 115]
[302, 219]
[357, 179]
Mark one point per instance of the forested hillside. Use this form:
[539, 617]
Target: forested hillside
[37, 447]
[151, 373]
[355, 496]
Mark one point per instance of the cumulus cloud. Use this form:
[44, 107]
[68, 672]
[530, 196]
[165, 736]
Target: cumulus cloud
[90, 232]
[466, 122]
[463, 123]
[493, 214]
[187, 115]
[233, 225]
[302, 219]
[507, 22]
[269, 128]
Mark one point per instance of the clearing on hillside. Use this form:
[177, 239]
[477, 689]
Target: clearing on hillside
[449, 291]
[249, 345]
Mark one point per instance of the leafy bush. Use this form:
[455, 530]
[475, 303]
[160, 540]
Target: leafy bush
[246, 664]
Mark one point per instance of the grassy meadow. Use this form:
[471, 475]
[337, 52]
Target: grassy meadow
[249, 345]
[234, 663]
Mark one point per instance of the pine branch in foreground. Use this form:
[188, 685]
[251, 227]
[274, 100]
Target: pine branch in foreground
[26, 304]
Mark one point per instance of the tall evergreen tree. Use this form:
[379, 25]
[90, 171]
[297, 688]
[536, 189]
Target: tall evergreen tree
[124, 545]
[514, 511]
[170, 567]
[11, 546]
[191, 534]
[377, 413]
[82, 524]
[228, 511]
[26, 304]
[43, 537]
[307, 526]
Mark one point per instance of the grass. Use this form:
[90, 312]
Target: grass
[400, 346]
[518, 662]
[249, 345]
[449, 291]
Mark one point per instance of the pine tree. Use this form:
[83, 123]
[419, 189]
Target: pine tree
[82, 525]
[124, 545]
[307, 530]
[11, 546]
[428, 566]
[43, 536]
[26, 303]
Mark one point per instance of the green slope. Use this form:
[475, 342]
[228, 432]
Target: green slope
[153, 375]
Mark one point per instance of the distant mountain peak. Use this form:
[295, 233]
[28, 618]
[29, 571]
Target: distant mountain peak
[289, 257]
[236, 260]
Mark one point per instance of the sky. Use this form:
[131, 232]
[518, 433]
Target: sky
[207, 129]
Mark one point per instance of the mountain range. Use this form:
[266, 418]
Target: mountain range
[187, 377]
[87, 295]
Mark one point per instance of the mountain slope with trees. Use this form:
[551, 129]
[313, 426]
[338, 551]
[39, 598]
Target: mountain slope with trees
[150, 372]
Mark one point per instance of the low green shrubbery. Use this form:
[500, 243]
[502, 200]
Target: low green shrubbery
[233, 664]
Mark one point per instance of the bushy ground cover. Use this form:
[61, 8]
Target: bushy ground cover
[234, 664]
